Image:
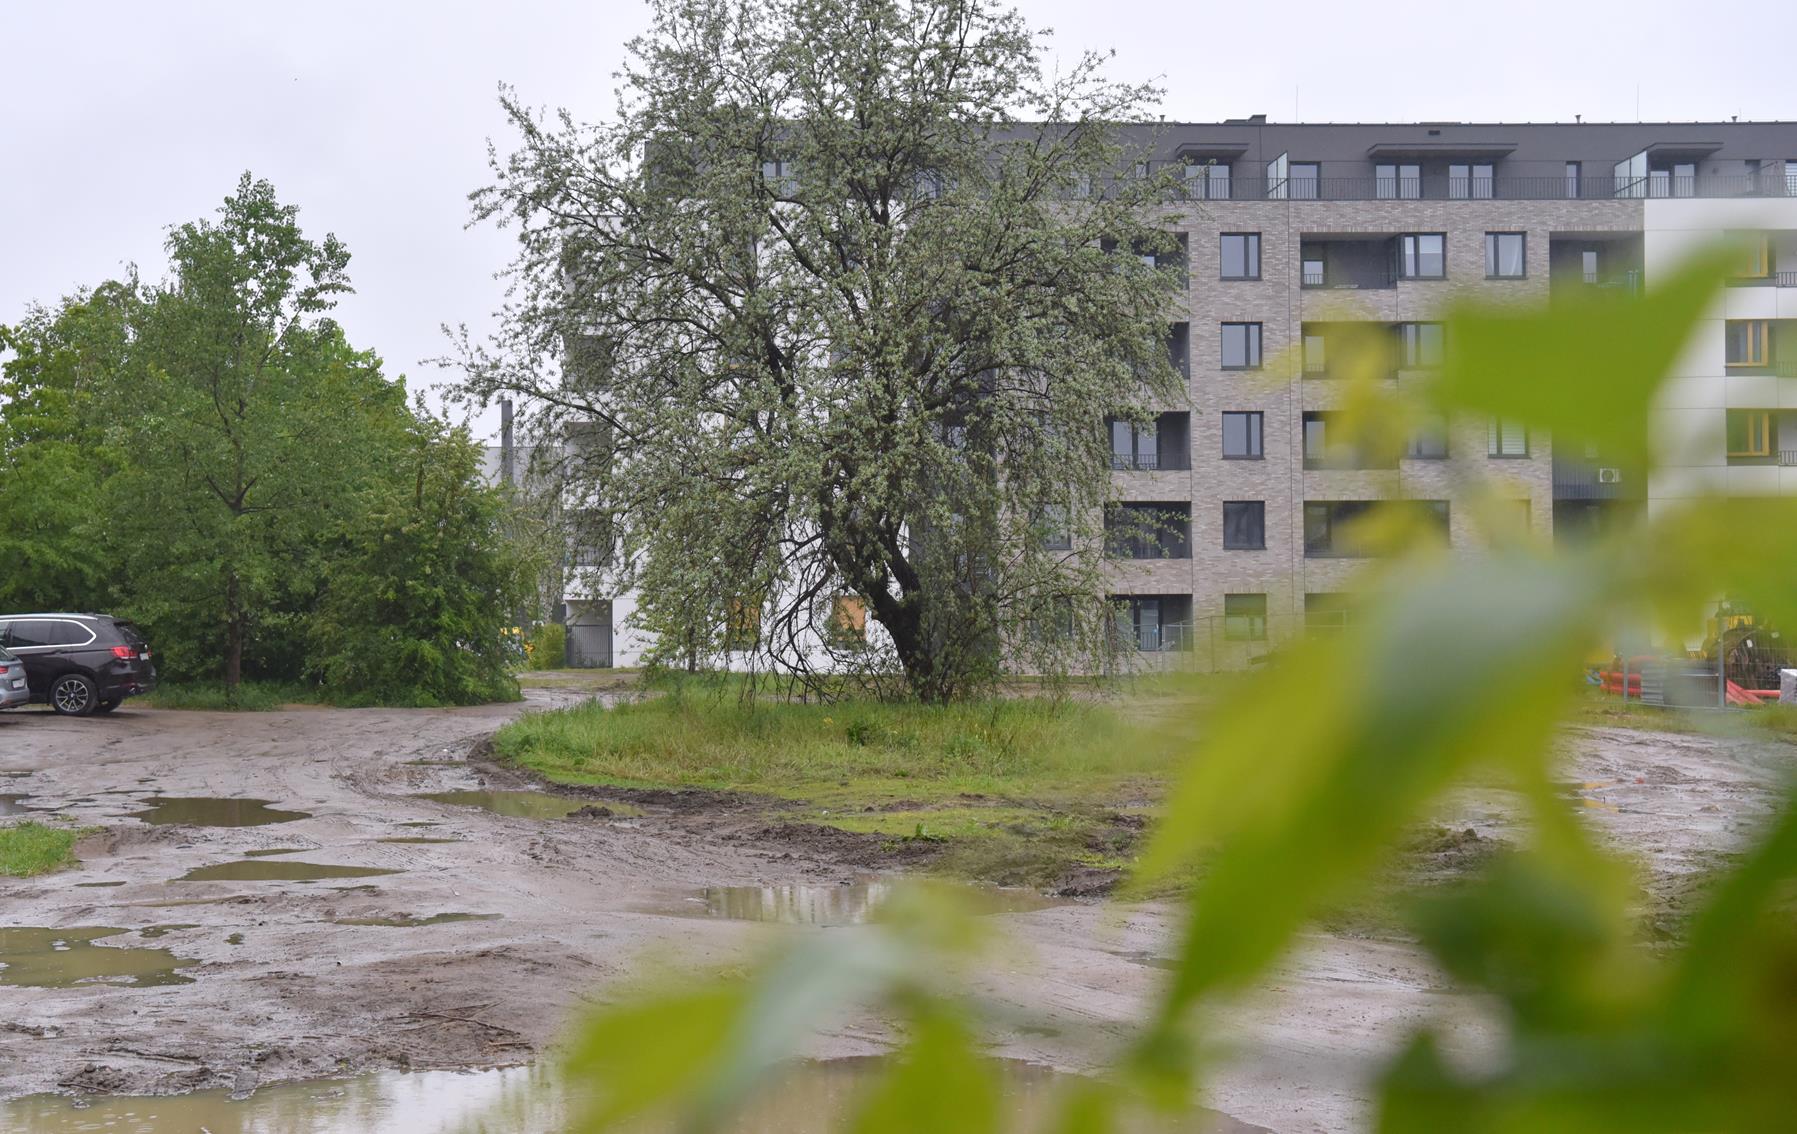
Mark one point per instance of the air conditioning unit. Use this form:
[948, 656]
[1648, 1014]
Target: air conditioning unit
[1609, 476]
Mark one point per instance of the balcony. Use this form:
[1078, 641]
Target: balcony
[1550, 188]
[1770, 279]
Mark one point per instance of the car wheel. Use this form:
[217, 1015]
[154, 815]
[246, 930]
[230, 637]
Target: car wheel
[73, 695]
[109, 704]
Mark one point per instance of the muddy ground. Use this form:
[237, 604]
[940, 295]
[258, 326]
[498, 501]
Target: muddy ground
[281, 990]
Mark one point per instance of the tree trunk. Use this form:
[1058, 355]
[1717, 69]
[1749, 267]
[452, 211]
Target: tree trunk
[233, 639]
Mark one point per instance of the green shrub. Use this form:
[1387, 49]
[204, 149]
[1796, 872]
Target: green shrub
[548, 647]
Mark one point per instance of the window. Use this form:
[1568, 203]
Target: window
[1313, 273]
[1430, 441]
[1148, 531]
[1316, 439]
[1507, 438]
[1749, 435]
[1746, 342]
[25, 634]
[1756, 255]
[1245, 618]
[781, 176]
[1305, 175]
[1327, 524]
[1242, 436]
[1397, 182]
[1241, 346]
[1208, 181]
[1154, 623]
[1082, 186]
[1422, 256]
[1241, 256]
[1420, 345]
[1057, 534]
[1244, 525]
[1588, 264]
[1326, 610]
[1179, 337]
[1134, 446]
[1316, 358]
[1433, 514]
[1469, 182]
[1572, 180]
[1505, 257]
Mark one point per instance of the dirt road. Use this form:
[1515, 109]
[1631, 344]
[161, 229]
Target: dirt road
[282, 989]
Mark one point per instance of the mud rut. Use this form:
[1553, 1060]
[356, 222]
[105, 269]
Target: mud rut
[282, 991]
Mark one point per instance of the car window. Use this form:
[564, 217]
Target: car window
[28, 632]
[65, 633]
[129, 632]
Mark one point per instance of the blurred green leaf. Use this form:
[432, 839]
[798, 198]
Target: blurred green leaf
[938, 1081]
[1587, 366]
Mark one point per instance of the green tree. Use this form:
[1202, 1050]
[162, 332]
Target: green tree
[417, 606]
[54, 458]
[847, 325]
[251, 424]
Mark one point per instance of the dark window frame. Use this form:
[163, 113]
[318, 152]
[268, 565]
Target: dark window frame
[1255, 508]
[1493, 261]
[1250, 253]
[1257, 434]
[1253, 345]
[1402, 186]
[1253, 621]
[1410, 345]
[1314, 181]
[1410, 255]
[1495, 446]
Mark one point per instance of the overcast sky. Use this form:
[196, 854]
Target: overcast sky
[118, 119]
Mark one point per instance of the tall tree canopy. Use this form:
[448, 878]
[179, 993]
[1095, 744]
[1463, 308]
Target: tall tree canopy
[209, 455]
[838, 288]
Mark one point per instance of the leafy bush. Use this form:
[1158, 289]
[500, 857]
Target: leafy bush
[548, 648]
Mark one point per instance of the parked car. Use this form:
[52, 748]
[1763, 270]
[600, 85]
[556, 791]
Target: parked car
[79, 663]
[13, 690]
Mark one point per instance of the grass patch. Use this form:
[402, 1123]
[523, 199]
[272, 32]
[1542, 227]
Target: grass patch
[1017, 790]
[30, 848]
[1609, 711]
[266, 696]
[251, 696]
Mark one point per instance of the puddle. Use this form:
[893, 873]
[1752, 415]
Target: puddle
[36, 957]
[1151, 960]
[516, 804]
[98, 884]
[12, 805]
[403, 922]
[416, 840]
[421, 823]
[811, 1099]
[267, 870]
[276, 850]
[151, 932]
[838, 905]
[209, 811]
[234, 939]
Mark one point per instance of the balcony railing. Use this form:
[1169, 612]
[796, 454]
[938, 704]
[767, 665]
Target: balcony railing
[1147, 462]
[1318, 279]
[1550, 188]
[1788, 458]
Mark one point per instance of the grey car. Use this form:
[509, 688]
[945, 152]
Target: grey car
[13, 688]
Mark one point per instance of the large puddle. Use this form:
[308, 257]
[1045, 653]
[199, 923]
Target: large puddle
[209, 811]
[528, 804]
[38, 957]
[15, 805]
[407, 921]
[269, 870]
[813, 1098]
[839, 905]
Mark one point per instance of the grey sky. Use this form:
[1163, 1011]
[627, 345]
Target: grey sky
[118, 119]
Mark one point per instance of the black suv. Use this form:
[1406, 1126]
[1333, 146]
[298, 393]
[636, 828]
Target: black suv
[80, 663]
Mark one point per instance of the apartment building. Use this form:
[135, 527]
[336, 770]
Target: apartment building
[1301, 238]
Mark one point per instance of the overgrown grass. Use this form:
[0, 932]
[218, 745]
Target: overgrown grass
[251, 696]
[1609, 711]
[267, 696]
[31, 847]
[1016, 790]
